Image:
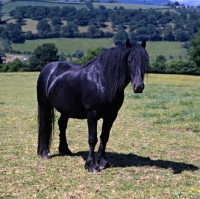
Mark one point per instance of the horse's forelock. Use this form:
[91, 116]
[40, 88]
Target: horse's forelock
[140, 55]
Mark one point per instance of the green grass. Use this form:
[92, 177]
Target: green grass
[129, 6]
[29, 25]
[1, 44]
[11, 6]
[66, 45]
[154, 146]
[71, 45]
[166, 48]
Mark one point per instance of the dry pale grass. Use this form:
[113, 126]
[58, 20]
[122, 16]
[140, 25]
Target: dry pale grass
[30, 25]
[154, 147]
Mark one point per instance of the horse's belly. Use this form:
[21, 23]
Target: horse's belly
[71, 111]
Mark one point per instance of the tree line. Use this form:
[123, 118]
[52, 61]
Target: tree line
[48, 52]
[150, 24]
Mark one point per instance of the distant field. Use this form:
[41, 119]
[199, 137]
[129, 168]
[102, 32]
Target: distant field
[11, 6]
[65, 45]
[1, 44]
[5, 1]
[30, 25]
[71, 45]
[129, 6]
[166, 48]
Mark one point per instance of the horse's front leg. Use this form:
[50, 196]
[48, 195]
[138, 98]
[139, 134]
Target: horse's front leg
[90, 164]
[100, 156]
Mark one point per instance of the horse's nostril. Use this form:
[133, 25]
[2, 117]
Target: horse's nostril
[138, 88]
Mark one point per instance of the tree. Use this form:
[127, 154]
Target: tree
[42, 55]
[101, 7]
[62, 57]
[82, 17]
[2, 54]
[54, 12]
[181, 35]
[89, 5]
[0, 10]
[18, 17]
[56, 30]
[120, 36]
[159, 66]
[14, 32]
[168, 33]
[39, 12]
[195, 49]
[78, 54]
[152, 19]
[14, 66]
[91, 54]
[92, 31]
[70, 30]
[29, 35]
[56, 20]
[43, 28]
[182, 67]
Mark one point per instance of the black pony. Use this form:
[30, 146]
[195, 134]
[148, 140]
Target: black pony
[92, 91]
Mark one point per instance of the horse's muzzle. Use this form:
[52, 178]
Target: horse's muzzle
[138, 88]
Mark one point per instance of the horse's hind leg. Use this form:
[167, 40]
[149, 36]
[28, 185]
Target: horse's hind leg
[63, 147]
[100, 156]
[45, 128]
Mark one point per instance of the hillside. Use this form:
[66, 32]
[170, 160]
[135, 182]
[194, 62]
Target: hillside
[69, 46]
[98, 27]
[144, 2]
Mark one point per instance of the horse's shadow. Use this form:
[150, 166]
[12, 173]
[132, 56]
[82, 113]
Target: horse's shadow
[129, 160]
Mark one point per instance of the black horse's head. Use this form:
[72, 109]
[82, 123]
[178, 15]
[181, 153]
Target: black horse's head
[137, 64]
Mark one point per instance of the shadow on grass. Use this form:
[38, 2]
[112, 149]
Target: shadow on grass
[129, 160]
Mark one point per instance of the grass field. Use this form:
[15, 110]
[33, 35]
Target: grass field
[71, 45]
[154, 146]
[129, 6]
[30, 25]
[66, 45]
[11, 6]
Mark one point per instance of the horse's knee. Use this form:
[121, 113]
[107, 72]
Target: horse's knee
[92, 140]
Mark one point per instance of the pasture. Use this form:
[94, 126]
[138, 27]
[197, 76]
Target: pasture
[68, 45]
[154, 146]
[12, 5]
[130, 6]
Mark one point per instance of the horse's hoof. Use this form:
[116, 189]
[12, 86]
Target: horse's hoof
[92, 169]
[103, 163]
[45, 156]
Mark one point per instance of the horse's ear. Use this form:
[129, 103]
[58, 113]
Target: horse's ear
[143, 44]
[128, 43]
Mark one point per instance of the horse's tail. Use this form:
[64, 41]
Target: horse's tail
[45, 130]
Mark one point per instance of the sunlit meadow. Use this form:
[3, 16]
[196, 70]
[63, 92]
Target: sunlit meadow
[154, 146]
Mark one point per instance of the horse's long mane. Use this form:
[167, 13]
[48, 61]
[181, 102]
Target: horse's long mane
[113, 63]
